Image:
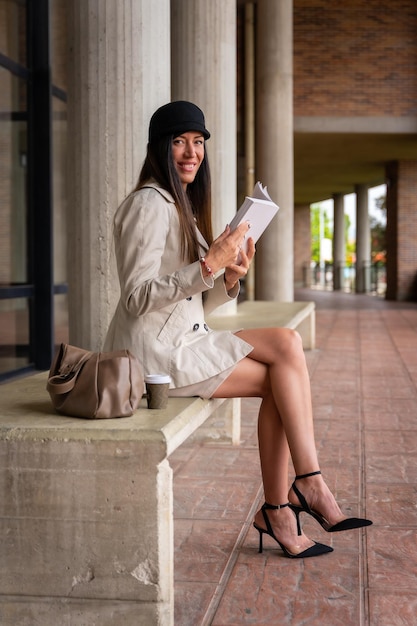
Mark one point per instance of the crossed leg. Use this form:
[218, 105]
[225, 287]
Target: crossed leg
[276, 371]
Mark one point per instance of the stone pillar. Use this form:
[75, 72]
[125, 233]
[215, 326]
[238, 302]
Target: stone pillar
[401, 231]
[274, 147]
[363, 241]
[338, 240]
[302, 246]
[204, 71]
[119, 73]
[249, 116]
[391, 176]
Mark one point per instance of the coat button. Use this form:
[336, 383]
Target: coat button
[189, 298]
[206, 327]
[196, 327]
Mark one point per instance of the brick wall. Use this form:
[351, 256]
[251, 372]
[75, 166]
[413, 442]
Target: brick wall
[355, 58]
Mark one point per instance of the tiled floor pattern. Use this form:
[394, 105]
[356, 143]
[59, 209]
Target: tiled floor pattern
[364, 385]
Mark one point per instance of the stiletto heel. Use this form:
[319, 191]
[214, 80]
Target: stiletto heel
[347, 524]
[297, 512]
[315, 550]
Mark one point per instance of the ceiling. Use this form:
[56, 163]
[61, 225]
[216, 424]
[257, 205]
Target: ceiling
[329, 163]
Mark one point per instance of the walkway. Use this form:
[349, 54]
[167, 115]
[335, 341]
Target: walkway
[364, 381]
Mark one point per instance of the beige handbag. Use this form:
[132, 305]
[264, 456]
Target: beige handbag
[95, 384]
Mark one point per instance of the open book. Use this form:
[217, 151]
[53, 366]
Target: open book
[258, 209]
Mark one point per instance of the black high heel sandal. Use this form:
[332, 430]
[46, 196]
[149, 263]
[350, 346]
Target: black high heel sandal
[315, 550]
[346, 524]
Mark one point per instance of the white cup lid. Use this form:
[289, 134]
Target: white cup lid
[157, 379]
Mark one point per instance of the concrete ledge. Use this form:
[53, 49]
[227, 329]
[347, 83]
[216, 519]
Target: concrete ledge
[299, 316]
[86, 506]
[26, 413]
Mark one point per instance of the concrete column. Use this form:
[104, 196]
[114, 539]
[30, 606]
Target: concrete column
[363, 240]
[274, 147]
[203, 52]
[401, 232]
[119, 72]
[249, 123]
[339, 248]
[204, 71]
[302, 245]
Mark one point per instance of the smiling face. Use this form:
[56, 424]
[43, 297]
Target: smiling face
[188, 154]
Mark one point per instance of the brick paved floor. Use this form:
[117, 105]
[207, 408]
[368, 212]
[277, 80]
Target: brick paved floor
[364, 385]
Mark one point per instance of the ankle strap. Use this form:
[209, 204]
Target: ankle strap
[274, 507]
[266, 506]
[307, 475]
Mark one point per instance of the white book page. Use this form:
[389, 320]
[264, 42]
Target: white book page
[259, 210]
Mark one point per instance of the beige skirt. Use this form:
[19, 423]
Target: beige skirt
[203, 389]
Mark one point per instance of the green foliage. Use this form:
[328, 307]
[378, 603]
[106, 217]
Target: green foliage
[315, 230]
[378, 232]
[377, 226]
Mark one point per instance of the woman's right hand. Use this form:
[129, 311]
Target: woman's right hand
[225, 249]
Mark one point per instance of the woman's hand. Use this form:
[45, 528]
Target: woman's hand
[225, 250]
[234, 272]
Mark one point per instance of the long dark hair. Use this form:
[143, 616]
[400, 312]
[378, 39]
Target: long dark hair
[193, 205]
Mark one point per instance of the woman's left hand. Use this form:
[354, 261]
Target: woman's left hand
[234, 272]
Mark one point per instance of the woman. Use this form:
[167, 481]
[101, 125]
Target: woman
[171, 274]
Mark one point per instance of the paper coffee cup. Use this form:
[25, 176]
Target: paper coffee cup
[157, 379]
[157, 386]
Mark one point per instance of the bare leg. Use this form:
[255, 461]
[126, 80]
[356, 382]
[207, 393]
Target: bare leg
[253, 381]
[274, 457]
[285, 417]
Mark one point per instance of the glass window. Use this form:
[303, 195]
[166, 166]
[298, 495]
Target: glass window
[14, 334]
[25, 329]
[59, 57]
[59, 131]
[13, 171]
[59, 179]
[13, 30]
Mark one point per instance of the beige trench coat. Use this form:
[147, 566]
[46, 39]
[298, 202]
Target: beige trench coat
[163, 300]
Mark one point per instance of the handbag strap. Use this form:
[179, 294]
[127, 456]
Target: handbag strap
[63, 383]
